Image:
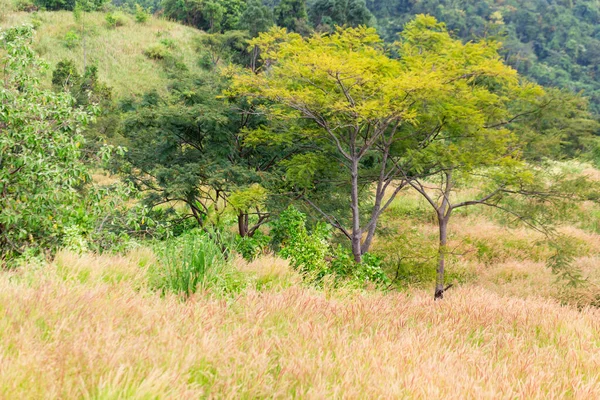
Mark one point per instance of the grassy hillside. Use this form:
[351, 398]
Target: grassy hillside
[88, 327]
[118, 52]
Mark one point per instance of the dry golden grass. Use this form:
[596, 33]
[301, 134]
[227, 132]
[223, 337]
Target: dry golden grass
[71, 331]
[118, 52]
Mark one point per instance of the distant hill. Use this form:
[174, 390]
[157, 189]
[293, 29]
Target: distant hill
[554, 42]
[118, 52]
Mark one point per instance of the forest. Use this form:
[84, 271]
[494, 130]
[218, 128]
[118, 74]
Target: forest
[273, 199]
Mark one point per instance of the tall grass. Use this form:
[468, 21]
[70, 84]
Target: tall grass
[101, 338]
[195, 262]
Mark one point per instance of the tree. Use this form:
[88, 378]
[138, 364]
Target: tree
[187, 153]
[328, 13]
[477, 138]
[292, 15]
[360, 102]
[208, 15]
[256, 18]
[54, 5]
[40, 160]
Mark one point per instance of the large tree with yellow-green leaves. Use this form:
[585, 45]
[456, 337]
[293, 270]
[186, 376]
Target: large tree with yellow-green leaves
[372, 110]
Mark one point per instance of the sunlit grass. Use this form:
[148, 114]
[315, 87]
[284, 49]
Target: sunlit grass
[65, 336]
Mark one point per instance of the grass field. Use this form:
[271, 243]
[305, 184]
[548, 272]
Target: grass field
[88, 327]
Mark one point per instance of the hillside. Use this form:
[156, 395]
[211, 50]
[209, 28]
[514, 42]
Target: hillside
[316, 216]
[118, 52]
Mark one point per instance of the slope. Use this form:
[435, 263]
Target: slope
[118, 52]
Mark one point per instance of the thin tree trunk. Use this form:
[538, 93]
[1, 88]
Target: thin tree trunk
[439, 282]
[356, 231]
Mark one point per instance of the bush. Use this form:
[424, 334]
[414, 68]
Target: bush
[25, 5]
[55, 5]
[312, 255]
[251, 247]
[71, 40]
[115, 20]
[157, 52]
[168, 43]
[193, 262]
[141, 14]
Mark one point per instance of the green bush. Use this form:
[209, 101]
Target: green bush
[25, 5]
[141, 14]
[194, 262]
[312, 254]
[157, 52]
[115, 20]
[251, 247]
[71, 40]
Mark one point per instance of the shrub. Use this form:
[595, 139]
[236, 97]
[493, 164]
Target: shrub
[157, 52]
[25, 5]
[114, 20]
[312, 255]
[141, 14]
[168, 43]
[71, 40]
[251, 247]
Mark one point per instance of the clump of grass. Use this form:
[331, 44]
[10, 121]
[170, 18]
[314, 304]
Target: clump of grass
[195, 262]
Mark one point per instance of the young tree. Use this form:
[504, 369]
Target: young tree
[188, 150]
[362, 105]
[40, 159]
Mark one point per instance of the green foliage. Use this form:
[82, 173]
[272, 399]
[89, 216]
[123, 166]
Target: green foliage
[292, 15]
[208, 15]
[554, 43]
[251, 247]
[54, 5]
[71, 39]
[256, 18]
[312, 255]
[26, 5]
[41, 173]
[157, 52]
[141, 14]
[195, 262]
[326, 14]
[224, 47]
[86, 89]
[114, 20]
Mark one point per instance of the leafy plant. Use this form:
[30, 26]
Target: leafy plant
[41, 172]
[71, 39]
[141, 14]
[311, 252]
[114, 20]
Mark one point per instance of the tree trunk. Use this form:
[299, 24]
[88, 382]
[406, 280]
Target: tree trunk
[356, 231]
[243, 224]
[439, 282]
